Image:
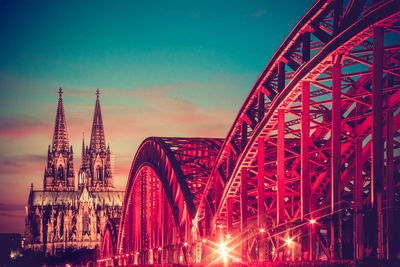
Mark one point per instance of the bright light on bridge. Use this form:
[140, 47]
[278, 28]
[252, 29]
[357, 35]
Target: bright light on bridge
[222, 250]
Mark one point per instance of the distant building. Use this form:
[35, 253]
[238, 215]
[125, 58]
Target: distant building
[62, 216]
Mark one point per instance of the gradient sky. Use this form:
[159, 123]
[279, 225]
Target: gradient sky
[164, 68]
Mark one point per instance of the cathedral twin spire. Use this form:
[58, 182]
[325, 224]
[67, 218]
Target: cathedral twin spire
[97, 140]
[60, 137]
[96, 163]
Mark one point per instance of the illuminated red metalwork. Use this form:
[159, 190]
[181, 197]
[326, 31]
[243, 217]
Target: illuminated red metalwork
[307, 168]
[108, 250]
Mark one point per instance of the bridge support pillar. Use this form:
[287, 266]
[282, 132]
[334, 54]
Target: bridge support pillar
[280, 209]
[243, 212]
[358, 195]
[336, 238]
[229, 218]
[377, 139]
[390, 240]
[261, 207]
[305, 172]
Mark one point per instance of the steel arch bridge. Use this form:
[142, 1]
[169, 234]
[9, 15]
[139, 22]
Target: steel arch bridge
[309, 170]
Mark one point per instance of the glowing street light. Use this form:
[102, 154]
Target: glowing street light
[223, 252]
[204, 240]
[262, 230]
[228, 236]
[185, 244]
[288, 241]
[313, 221]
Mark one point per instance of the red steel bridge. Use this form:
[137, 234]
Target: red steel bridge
[309, 170]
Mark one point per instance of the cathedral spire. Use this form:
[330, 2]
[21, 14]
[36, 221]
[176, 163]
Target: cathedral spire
[83, 159]
[60, 137]
[97, 141]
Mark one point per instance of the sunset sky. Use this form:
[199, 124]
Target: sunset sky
[164, 68]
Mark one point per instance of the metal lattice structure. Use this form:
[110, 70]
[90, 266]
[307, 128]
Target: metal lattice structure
[310, 165]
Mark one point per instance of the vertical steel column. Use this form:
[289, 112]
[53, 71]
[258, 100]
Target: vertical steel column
[280, 209]
[308, 242]
[165, 231]
[281, 76]
[153, 242]
[358, 194]
[207, 219]
[336, 239]
[281, 167]
[133, 222]
[244, 135]
[261, 106]
[377, 141]
[243, 212]
[159, 220]
[306, 46]
[229, 219]
[132, 226]
[337, 13]
[261, 207]
[207, 226]
[305, 164]
[390, 241]
[142, 216]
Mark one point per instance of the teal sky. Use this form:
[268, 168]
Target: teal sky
[165, 68]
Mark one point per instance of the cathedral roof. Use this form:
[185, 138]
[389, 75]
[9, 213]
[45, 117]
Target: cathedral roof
[60, 137]
[97, 140]
[104, 198]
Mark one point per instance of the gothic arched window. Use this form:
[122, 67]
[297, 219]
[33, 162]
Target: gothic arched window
[62, 224]
[60, 172]
[99, 175]
[35, 227]
[85, 223]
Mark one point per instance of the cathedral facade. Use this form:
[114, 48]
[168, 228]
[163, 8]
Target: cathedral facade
[63, 215]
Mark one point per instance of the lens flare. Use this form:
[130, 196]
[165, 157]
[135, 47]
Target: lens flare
[288, 241]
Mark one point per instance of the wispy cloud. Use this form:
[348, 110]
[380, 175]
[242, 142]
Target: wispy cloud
[21, 164]
[17, 127]
[11, 207]
[258, 13]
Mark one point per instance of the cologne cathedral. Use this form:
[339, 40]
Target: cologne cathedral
[61, 215]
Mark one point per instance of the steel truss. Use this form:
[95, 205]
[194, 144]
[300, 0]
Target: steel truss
[310, 165]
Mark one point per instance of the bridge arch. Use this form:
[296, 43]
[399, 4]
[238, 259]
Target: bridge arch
[108, 246]
[165, 181]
